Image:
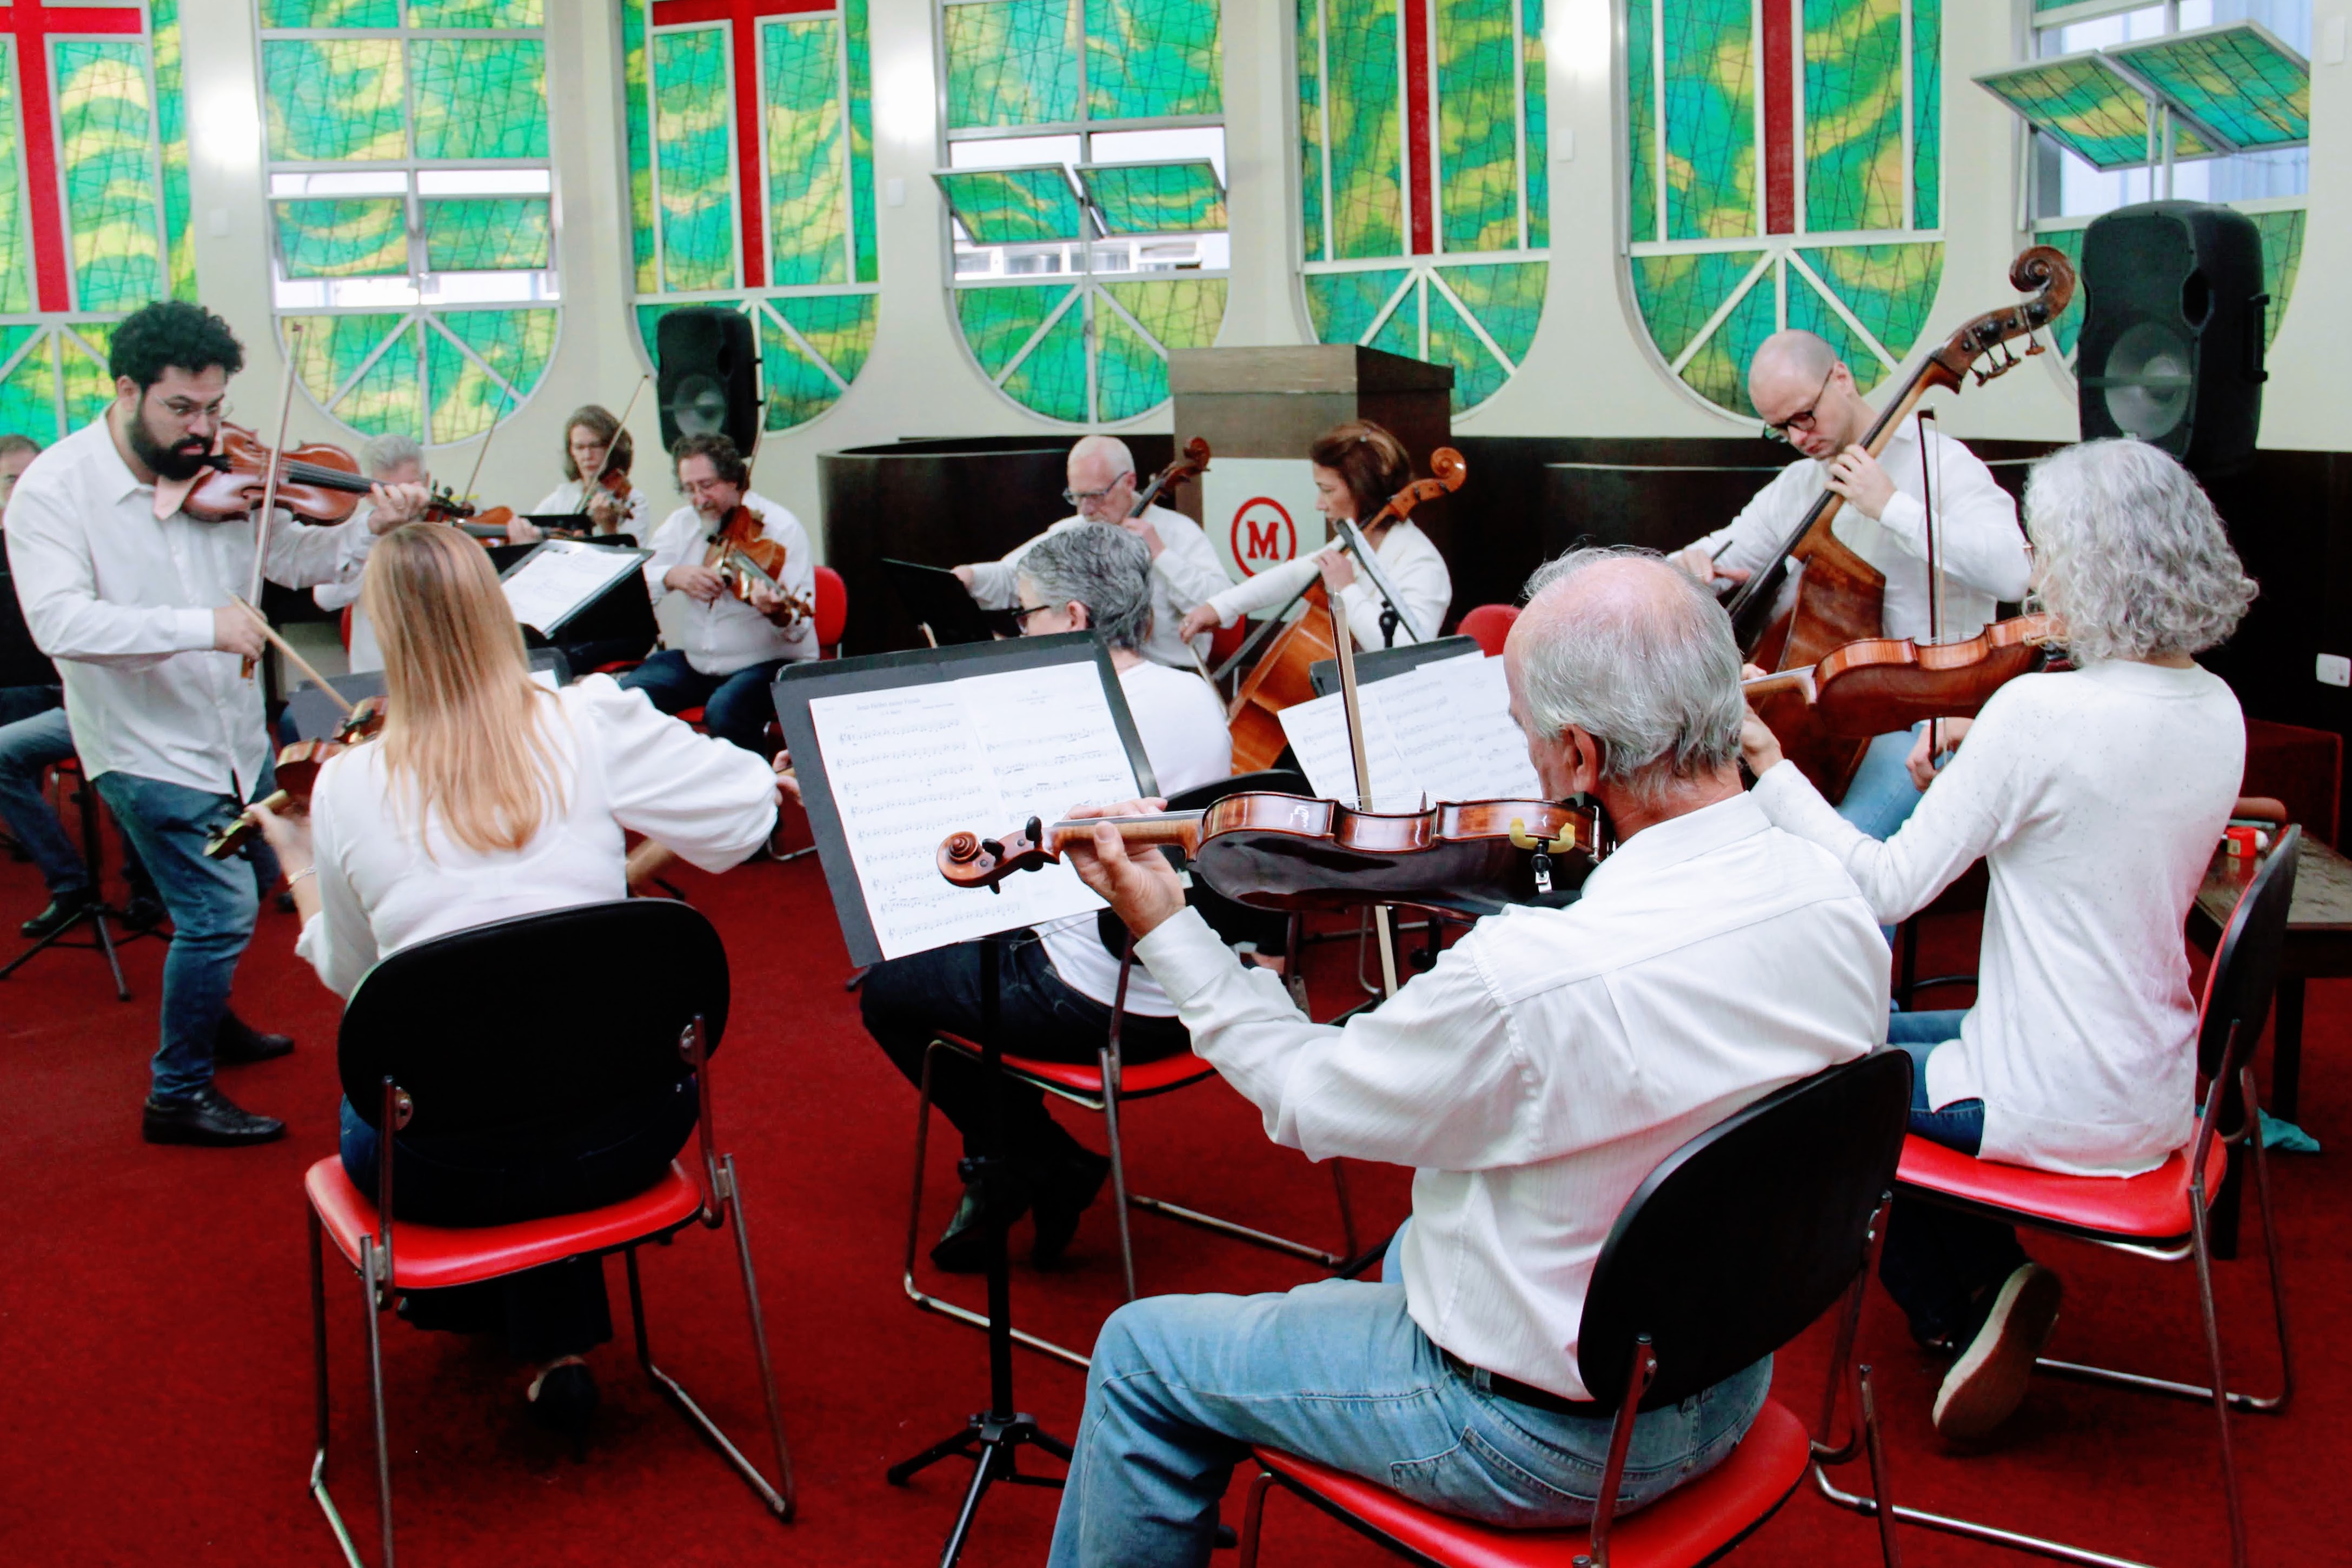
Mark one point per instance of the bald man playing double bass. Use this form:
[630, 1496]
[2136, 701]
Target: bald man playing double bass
[1808, 398]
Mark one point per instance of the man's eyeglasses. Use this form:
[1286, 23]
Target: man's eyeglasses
[1803, 419]
[188, 408]
[1021, 614]
[1079, 498]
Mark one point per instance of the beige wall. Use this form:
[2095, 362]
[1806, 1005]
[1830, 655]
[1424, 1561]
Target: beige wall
[1589, 372]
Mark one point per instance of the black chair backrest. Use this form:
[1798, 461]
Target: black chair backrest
[529, 1029]
[2246, 969]
[1747, 1232]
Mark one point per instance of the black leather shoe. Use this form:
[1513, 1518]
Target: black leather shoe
[237, 1042]
[563, 1397]
[207, 1116]
[61, 910]
[1062, 1192]
[963, 1248]
[145, 912]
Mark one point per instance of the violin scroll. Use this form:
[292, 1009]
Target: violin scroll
[971, 861]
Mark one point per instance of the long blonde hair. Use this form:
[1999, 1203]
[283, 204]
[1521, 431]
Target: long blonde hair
[464, 734]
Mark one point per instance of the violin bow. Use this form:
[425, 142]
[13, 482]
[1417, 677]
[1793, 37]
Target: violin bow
[506, 395]
[1344, 641]
[614, 444]
[269, 486]
[292, 658]
[1935, 560]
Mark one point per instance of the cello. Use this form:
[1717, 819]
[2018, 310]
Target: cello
[1280, 678]
[1783, 619]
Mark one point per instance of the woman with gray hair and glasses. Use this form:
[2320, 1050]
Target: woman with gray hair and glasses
[1059, 984]
[2096, 797]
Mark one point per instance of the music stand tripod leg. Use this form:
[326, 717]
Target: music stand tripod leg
[993, 1437]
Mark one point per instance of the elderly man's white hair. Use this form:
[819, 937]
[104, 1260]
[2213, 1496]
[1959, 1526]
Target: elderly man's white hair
[1107, 449]
[2131, 556]
[386, 452]
[1637, 655]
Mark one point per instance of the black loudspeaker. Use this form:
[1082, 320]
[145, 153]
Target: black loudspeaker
[2171, 350]
[709, 376]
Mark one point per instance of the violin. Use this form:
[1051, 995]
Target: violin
[742, 554]
[1835, 597]
[1281, 677]
[1289, 852]
[298, 774]
[317, 481]
[1824, 717]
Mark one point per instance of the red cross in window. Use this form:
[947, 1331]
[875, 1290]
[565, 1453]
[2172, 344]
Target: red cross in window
[32, 22]
[1780, 118]
[742, 17]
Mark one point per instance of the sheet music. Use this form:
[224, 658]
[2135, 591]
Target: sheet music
[908, 767]
[1440, 732]
[559, 576]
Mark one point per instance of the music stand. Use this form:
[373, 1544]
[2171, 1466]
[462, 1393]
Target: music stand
[991, 1438]
[943, 607]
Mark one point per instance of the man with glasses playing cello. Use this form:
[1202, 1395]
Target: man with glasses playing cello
[1808, 399]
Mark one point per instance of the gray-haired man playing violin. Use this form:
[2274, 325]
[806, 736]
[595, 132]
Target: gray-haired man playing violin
[1534, 1078]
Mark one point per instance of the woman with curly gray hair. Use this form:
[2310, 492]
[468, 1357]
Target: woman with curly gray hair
[2095, 798]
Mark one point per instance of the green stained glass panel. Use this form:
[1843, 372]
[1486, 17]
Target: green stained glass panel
[1641, 125]
[1889, 288]
[1718, 371]
[2081, 103]
[2282, 259]
[997, 321]
[15, 244]
[1710, 118]
[1507, 299]
[1539, 117]
[334, 100]
[1181, 313]
[1147, 58]
[802, 123]
[1927, 113]
[1808, 310]
[476, 13]
[1853, 114]
[839, 327]
[1477, 125]
[2233, 79]
[28, 393]
[468, 398]
[798, 387]
[861, 143]
[1310, 127]
[1343, 305]
[1156, 198]
[106, 126]
[1052, 380]
[1013, 207]
[388, 396]
[637, 102]
[1400, 333]
[480, 98]
[694, 132]
[345, 238]
[1011, 62]
[81, 355]
[171, 149]
[1678, 293]
[2069, 324]
[488, 234]
[1367, 148]
[330, 13]
[1131, 378]
[1477, 375]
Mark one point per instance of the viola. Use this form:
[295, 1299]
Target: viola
[1281, 677]
[318, 482]
[1824, 717]
[742, 554]
[1835, 597]
[298, 774]
[1289, 852]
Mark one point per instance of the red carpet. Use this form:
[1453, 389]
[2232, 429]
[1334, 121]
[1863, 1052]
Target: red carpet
[157, 1402]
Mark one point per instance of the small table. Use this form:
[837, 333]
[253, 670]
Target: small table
[2318, 945]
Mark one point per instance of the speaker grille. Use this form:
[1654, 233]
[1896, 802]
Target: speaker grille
[2150, 376]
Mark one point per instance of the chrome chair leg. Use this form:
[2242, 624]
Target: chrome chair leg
[1347, 1209]
[1875, 1446]
[2270, 1257]
[2202, 1244]
[1253, 1517]
[318, 1492]
[1117, 1167]
[760, 1347]
[376, 1304]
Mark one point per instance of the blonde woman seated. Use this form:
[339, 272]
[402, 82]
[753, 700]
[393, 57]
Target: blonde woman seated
[489, 796]
[2095, 798]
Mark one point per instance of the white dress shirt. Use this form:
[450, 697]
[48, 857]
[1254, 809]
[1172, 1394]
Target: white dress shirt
[728, 634]
[1183, 575]
[1977, 542]
[361, 654]
[1553, 1058]
[124, 603]
[1185, 734]
[1408, 559]
[2095, 798]
[384, 885]
[571, 496]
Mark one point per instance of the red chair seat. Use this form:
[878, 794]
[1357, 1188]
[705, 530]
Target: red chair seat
[1686, 1526]
[430, 1257]
[1137, 1079]
[692, 715]
[2151, 1206]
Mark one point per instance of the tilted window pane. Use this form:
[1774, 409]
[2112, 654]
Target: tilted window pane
[2237, 79]
[1013, 207]
[1156, 198]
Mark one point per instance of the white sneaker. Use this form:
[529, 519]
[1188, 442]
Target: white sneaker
[1988, 1382]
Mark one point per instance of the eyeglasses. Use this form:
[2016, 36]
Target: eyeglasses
[188, 408]
[1804, 419]
[1021, 614]
[1079, 498]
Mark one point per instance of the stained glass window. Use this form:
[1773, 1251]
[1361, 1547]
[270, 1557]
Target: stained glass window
[411, 207]
[1785, 171]
[1425, 212]
[100, 228]
[750, 136]
[1085, 194]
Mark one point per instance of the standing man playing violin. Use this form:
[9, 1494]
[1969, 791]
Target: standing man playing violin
[136, 610]
[1808, 399]
[721, 653]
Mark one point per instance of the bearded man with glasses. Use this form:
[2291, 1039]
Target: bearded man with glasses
[1808, 399]
[1185, 571]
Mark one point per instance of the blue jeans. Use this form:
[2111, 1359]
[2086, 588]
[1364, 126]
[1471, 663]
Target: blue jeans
[1335, 1371]
[212, 904]
[735, 707]
[1881, 796]
[1942, 1265]
[29, 747]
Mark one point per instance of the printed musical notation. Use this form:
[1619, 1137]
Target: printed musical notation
[910, 765]
[1436, 732]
